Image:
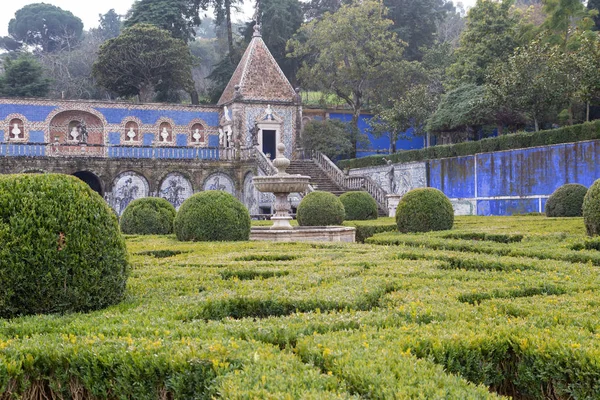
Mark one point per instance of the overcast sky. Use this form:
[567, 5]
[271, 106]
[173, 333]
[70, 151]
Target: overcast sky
[88, 10]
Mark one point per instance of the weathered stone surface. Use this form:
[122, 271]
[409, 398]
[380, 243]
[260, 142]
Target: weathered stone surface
[305, 234]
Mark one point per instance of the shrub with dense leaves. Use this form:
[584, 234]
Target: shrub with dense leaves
[591, 209]
[424, 210]
[320, 209]
[148, 216]
[359, 206]
[212, 215]
[566, 201]
[60, 247]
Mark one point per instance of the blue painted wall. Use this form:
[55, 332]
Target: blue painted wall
[516, 181]
[382, 144]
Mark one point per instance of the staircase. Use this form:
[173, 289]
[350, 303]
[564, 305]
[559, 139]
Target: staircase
[318, 178]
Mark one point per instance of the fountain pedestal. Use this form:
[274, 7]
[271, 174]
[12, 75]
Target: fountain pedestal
[281, 185]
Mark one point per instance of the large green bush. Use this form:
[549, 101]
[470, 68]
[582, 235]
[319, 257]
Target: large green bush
[591, 209]
[424, 210]
[359, 206]
[212, 215]
[522, 140]
[566, 201]
[320, 209]
[60, 247]
[148, 216]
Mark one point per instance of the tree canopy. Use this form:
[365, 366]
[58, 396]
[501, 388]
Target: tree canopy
[330, 137]
[141, 60]
[23, 78]
[45, 26]
[110, 24]
[179, 17]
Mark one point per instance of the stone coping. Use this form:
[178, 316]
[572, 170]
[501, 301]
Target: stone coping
[305, 234]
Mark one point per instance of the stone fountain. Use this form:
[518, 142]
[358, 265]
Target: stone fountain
[281, 185]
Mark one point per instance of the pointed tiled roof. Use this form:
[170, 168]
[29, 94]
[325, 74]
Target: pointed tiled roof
[258, 76]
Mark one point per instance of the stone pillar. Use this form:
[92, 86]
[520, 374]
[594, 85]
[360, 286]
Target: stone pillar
[392, 201]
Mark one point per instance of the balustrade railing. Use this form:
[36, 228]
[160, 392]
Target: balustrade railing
[350, 182]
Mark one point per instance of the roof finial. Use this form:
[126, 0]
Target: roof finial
[256, 30]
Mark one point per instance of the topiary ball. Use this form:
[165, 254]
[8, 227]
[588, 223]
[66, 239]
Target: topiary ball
[591, 209]
[566, 201]
[424, 210]
[320, 209]
[148, 216]
[212, 215]
[60, 247]
[359, 206]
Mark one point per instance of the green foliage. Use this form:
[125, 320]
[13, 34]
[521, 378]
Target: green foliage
[330, 137]
[359, 206]
[489, 38]
[591, 209]
[142, 59]
[567, 134]
[368, 228]
[320, 209]
[566, 201]
[148, 216]
[110, 24]
[460, 109]
[424, 210]
[60, 247]
[23, 77]
[45, 26]
[212, 215]
[594, 5]
[179, 17]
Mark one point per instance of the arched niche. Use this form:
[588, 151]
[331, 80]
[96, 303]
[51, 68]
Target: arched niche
[62, 125]
[175, 188]
[132, 132]
[127, 187]
[92, 180]
[197, 134]
[220, 181]
[16, 130]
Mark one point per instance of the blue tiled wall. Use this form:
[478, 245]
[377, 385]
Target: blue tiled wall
[453, 176]
[1, 136]
[148, 139]
[163, 152]
[116, 115]
[507, 207]
[114, 138]
[181, 139]
[36, 137]
[22, 150]
[32, 113]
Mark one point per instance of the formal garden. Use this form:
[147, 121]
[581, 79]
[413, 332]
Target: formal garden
[477, 307]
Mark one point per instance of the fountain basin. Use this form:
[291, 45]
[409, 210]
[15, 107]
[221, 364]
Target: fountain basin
[281, 183]
[305, 234]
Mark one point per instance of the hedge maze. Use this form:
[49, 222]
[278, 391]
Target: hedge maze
[496, 307]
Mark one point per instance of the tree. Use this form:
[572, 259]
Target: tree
[176, 16]
[489, 38]
[416, 22]
[561, 15]
[586, 59]
[594, 5]
[537, 80]
[45, 26]
[141, 60]
[110, 24]
[330, 137]
[360, 60]
[23, 78]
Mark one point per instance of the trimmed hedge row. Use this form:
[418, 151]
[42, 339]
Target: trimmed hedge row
[148, 216]
[320, 209]
[566, 201]
[567, 134]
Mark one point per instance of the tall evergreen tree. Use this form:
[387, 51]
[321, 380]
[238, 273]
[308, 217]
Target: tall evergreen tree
[110, 24]
[23, 77]
[179, 17]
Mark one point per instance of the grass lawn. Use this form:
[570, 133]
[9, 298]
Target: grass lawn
[497, 306]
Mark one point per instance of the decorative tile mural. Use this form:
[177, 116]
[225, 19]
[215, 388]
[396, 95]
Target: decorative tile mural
[127, 187]
[175, 188]
[250, 199]
[220, 181]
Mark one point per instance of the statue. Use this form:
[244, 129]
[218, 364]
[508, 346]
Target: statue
[254, 134]
[131, 134]
[221, 137]
[197, 135]
[74, 133]
[82, 128]
[16, 132]
[269, 113]
[164, 134]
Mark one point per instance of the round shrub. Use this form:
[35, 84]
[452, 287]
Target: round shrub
[359, 206]
[424, 210]
[60, 247]
[213, 215]
[566, 201]
[148, 216]
[320, 209]
[591, 209]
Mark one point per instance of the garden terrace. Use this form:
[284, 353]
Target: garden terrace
[499, 306]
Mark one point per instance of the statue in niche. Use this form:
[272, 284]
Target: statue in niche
[269, 113]
[74, 133]
[82, 128]
[197, 135]
[131, 134]
[254, 134]
[126, 194]
[221, 137]
[16, 132]
[174, 193]
[164, 134]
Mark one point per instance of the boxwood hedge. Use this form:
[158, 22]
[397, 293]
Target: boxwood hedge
[320, 209]
[424, 210]
[60, 247]
[566, 201]
[359, 206]
[591, 209]
[148, 216]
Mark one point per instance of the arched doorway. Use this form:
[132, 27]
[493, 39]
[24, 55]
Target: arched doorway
[92, 180]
